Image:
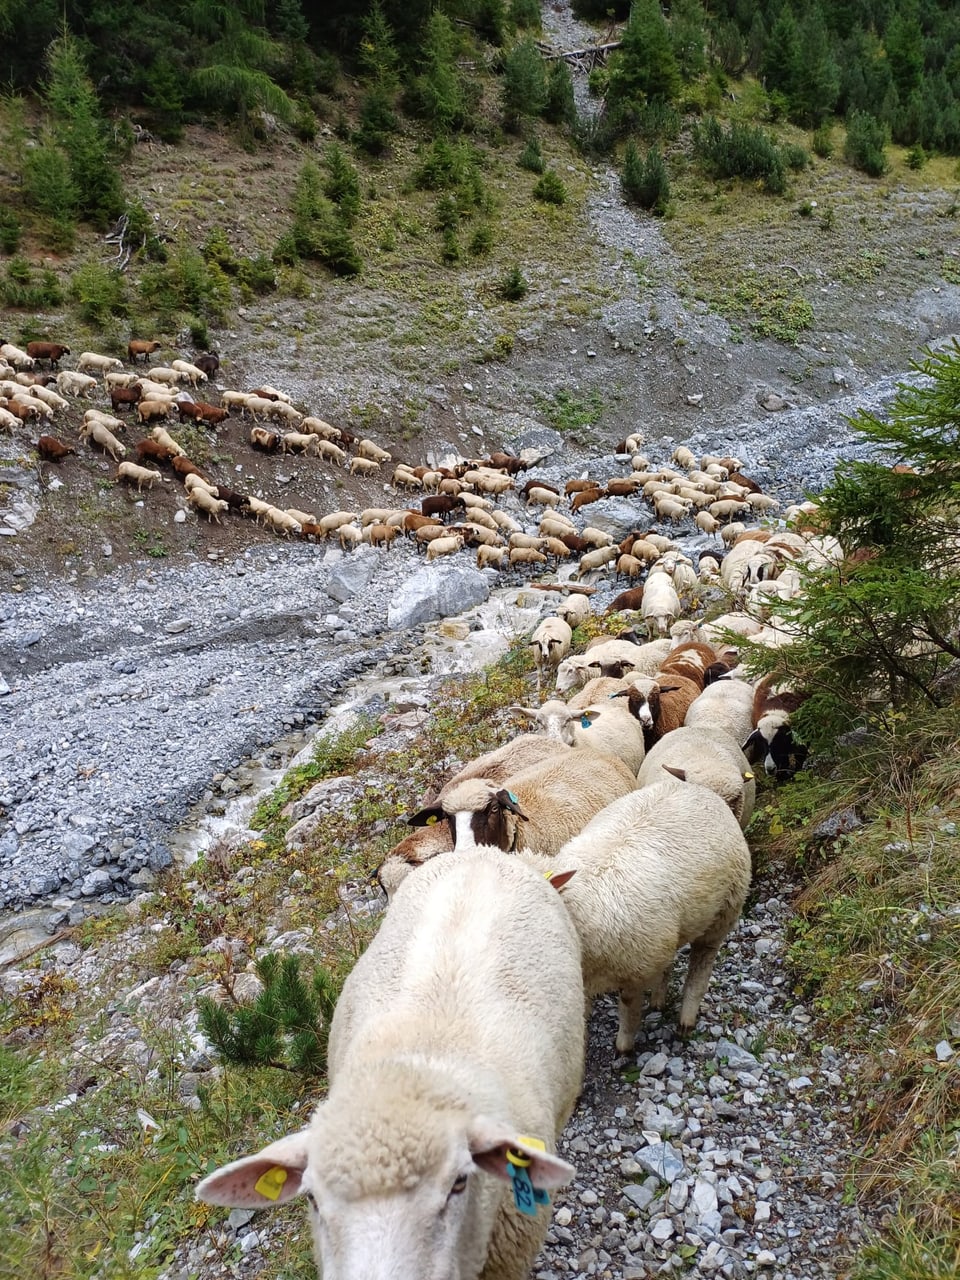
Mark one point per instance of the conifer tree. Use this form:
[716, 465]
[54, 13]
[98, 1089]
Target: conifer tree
[903, 42]
[560, 106]
[524, 92]
[645, 67]
[438, 92]
[814, 92]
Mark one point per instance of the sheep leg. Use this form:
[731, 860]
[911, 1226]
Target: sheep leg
[703, 954]
[631, 1009]
[658, 994]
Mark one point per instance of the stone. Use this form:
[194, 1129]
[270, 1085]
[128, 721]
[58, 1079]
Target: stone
[638, 1195]
[737, 1058]
[620, 516]
[655, 1066]
[944, 1051]
[704, 1197]
[837, 824]
[95, 883]
[177, 626]
[352, 574]
[437, 591]
[661, 1159]
[662, 1230]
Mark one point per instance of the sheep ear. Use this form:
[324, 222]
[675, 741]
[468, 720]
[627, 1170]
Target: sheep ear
[676, 772]
[272, 1176]
[489, 1143]
[559, 879]
[755, 742]
[507, 800]
[427, 817]
[529, 712]
[669, 688]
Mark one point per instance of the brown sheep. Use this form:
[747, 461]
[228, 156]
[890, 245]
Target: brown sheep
[381, 535]
[124, 397]
[659, 705]
[184, 467]
[626, 601]
[151, 451]
[580, 486]
[138, 347]
[51, 351]
[49, 447]
[264, 440]
[586, 495]
[149, 410]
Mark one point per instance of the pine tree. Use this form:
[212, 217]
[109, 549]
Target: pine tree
[815, 92]
[644, 68]
[903, 42]
[343, 183]
[437, 92]
[560, 107]
[780, 65]
[645, 182]
[524, 92]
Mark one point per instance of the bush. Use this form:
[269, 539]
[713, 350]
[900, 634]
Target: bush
[342, 186]
[531, 157]
[822, 141]
[513, 286]
[525, 13]
[550, 188]
[186, 284]
[916, 158]
[524, 90]
[865, 144]
[10, 231]
[99, 293]
[560, 107]
[482, 240]
[744, 152]
[21, 287]
[646, 182]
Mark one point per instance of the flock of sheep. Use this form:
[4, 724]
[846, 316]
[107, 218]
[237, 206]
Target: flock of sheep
[568, 862]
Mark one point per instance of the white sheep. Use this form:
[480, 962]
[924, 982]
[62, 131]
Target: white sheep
[349, 536]
[141, 476]
[657, 869]
[193, 481]
[281, 410]
[444, 1059]
[102, 436]
[317, 427]
[363, 466]
[166, 376]
[445, 546]
[49, 397]
[574, 609]
[235, 400]
[540, 807]
[300, 442]
[611, 658]
[207, 503]
[660, 606]
[367, 449]
[102, 364]
[19, 359]
[150, 390]
[602, 726]
[70, 383]
[596, 559]
[549, 644]
[327, 449]
[188, 372]
[114, 379]
[708, 757]
[163, 437]
[726, 704]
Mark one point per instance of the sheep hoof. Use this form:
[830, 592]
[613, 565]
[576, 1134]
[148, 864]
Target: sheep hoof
[684, 1030]
[626, 1041]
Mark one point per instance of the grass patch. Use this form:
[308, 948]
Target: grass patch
[569, 413]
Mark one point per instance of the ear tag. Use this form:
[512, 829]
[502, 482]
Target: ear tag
[513, 798]
[270, 1184]
[747, 776]
[432, 820]
[526, 1196]
[585, 722]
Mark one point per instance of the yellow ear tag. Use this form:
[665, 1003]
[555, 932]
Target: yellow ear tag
[534, 1142]
[747, 776]
[270, 1184]
[432, 819]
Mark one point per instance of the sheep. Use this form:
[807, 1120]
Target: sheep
[611, 658]
[130, 472]
[626, 601]
[334, 520]
[111, 423]
[102, 436]
[742, 623]
[332, 452]
[541, 496]
[683, 457]
[168, 442]
[491, 557]
[264, 440]
[477, 515]
[475, 535]
[267, 392]
[708, 757]
[446, 546]
[7, 419]
[51, 449]
[138, 347]
[287, 413]
[194, 480]
[602, 727]
[363, 466]
[13, 355]
[659, 868]
[235, 400]
[595, 559]
[200, 411]
[367, 449]
[695, 661]
[585, 497]
[404, 478]
[498, 765]
[549, 644]
[349, 536]
[725, 508]
[35, 408]
[259, 405]
[282, 522]
[726, 704]
[150, 410]
[208, 363]
[659, 703]
[772, 738]
[49, 398]
[554, 525]
[300, 442]
[150, 390]
[574, 609]
[629, 566]
[661, 604]
[70, 383]
[102, 364]
[188, 372]
[164, 375]
[206, 502]
[52, 351]
[422, 844]
[316, 427]
[539, 807]
[184, 467]
[496, 485]
[238, 502]
[381, 535]
[442, 1058]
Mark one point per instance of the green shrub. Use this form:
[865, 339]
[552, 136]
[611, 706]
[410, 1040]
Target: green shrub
[450, 251]
[745, 152]
[99, 292]
[550, 188]
[916, 158]
[560, 107]
[186, 284]
[524, 13]
[21, 287]
[482, 240]
[342, 186]
[865, 144]
[524, 89]
[822, 141]
[513, 286]
[646, 182]
[10, 231]
[256, 275]
[531, 157]
[199, 333]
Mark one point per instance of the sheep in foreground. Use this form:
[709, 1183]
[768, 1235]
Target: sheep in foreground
[101, 364]
[772, 739]
[574, 609]
[659, 703]
[657, 869]
[661, 604]
[95, 431]
[538, 808]
[604, 727]
[708, 757]
[611, 658]
[447, 1068]
[550, 644]
[139, 476]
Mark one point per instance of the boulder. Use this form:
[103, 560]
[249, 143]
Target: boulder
[618, 516]
[352, 574]
[437, 591]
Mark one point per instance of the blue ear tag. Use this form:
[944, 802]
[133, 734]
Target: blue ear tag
[585, 722]
[513, 798]
[526, 1196]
